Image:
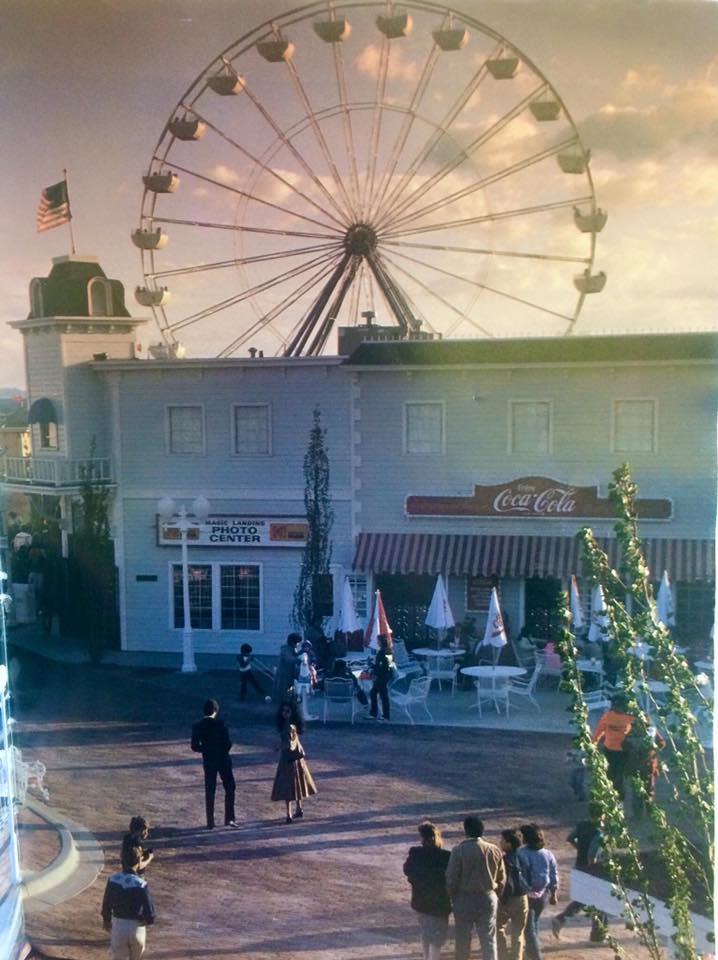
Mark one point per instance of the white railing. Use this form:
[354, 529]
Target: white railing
[55, 473]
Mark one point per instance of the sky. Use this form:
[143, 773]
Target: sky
[89, 85]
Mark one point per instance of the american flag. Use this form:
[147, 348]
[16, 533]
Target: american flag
[54, 207]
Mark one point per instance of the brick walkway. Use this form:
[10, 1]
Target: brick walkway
[330, 887]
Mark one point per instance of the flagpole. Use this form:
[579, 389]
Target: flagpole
[69, 210]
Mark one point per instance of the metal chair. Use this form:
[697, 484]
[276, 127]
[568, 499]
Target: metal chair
[551, 665]
[525, 688]
[596, 700]
[339, 691]
[442, 668]
[416, 695]
[407, 665]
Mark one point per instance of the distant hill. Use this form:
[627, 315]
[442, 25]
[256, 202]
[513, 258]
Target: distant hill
[7, 393]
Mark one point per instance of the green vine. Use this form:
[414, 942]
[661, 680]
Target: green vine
[681, 828]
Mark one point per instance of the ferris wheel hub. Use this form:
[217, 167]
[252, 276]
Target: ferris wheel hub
[360, 239]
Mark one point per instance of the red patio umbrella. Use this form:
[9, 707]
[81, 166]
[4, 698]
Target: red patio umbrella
[378, 623]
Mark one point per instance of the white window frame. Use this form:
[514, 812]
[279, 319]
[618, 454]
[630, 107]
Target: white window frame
[104, 285]
[216, 579]
[614, 421]
[234, 452]
[359, 585]
[217, 608]
[518, 401]
[424, 403]
[168, 429]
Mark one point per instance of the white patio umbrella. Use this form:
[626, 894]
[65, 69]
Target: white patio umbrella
[348, 621]
[439, 615]
[664, 602]
[575, 599]
[598, 631]
[495, 632]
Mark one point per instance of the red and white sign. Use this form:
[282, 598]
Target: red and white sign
[536, 497]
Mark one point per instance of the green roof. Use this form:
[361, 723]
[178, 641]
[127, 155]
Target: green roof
[65, 291]
[616, 348]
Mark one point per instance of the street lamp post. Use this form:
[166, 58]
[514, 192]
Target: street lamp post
[185, 522]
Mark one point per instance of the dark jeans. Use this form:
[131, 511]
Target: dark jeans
[224, 769]
[533, 944]
[379, 690]
[475, 909]
[246, 677]
[616, 760]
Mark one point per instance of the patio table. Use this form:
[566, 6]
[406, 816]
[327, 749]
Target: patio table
[492, 673]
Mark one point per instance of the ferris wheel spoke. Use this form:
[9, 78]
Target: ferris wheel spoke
[239, 261]
[488, 251]
[321, 139]
[462, 155]
[489, 289]
[340, 73]
[241, 228]
[325, 328]
[250, 197]
[376, 120]
[485, 218]
[261, 287]
[406, 127]
[316, 180]
[432, 292]
[430, 144]
[265, 167]
[509, 171]
[266, 321]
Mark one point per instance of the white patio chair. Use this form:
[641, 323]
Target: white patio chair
[442, 668]
[407, 665]
[416, 695]
[494, 690]
[516, 687]
[551, 665]
[339, 691]
[596, 700]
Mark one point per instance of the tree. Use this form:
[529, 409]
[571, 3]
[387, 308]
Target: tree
[94, 561]
[310, 595]
[680, 819]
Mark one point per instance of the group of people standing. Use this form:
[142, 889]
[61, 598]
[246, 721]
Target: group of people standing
[501, 890]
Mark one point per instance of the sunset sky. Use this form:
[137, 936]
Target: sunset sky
[88, 85]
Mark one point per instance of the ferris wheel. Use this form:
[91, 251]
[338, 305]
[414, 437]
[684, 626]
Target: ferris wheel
[347, 161]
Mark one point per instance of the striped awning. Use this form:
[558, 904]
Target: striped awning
[519, 556]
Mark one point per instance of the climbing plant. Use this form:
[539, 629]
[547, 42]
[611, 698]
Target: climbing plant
[681, 817]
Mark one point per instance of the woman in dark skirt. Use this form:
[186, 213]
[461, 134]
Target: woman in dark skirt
[293, 781]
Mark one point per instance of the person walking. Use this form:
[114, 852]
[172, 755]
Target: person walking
[612, 730]
[246, 673]
[541, 870]
[210, 737]
[293, 782]
[513, 903]
[425, 869]
[587, 838]
[475, 878]
[127, 909]
[383, 670]
[138, 832]
[287, 667]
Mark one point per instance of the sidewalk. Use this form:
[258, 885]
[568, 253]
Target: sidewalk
[458, 710]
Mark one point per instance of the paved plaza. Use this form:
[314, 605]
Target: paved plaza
[116, 743]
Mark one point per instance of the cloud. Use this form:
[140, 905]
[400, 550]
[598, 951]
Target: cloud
[673, 118]
[367, 62]
[225, 175]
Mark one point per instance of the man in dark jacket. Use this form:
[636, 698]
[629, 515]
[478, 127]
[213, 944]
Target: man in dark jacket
[383, 672]
[127, 908]
[210, 737]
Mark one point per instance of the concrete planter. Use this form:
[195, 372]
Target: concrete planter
[596, 892]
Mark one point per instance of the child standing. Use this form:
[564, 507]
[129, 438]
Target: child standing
[246, 674]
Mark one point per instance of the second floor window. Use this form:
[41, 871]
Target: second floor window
[634, 426]
[530, 426]
[252, 429]
[186, 429]
[424, 427]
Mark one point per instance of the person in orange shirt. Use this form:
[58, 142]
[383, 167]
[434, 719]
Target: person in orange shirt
[612, 730]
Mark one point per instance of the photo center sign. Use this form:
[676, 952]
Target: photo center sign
[229, 530]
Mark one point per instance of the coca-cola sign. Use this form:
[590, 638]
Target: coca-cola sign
[536, 497]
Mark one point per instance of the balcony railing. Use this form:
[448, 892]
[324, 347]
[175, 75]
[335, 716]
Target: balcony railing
[29, 471]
